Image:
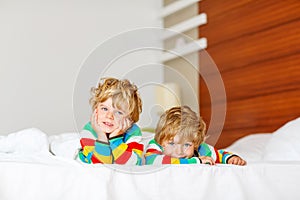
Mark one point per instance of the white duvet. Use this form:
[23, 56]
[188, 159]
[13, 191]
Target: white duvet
[29, 171]
[57, 179]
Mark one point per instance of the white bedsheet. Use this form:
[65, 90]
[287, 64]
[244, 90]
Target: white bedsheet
[29, 172]
[57, 178]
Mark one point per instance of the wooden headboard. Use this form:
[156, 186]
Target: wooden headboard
[256, 47]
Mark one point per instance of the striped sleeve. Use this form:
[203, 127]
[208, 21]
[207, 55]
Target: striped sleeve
[95, 152]
[123, 149]
[129, 148]
[219, 156]
[154, 156]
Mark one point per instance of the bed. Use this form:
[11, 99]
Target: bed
[34, 165]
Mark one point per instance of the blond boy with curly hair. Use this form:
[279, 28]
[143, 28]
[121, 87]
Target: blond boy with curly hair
[179, 139]
[111, 136]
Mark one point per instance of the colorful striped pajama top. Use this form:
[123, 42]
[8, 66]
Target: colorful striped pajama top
[123, 149]
[154, 155]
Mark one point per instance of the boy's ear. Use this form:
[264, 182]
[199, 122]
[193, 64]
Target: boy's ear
[96, 110]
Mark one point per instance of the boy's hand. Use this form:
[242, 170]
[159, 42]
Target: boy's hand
[207, 160]
[94, 122]
[236, 160]
[124, 124]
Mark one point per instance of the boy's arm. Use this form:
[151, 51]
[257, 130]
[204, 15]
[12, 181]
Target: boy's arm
[116, 151]
[154, 156]
[95, 152]
[224, 156]
[219, 156]
[128, 148]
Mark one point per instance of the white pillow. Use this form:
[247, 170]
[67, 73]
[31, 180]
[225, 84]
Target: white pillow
[251, 147]
[65, 145]
[285, 143]
[31, 141]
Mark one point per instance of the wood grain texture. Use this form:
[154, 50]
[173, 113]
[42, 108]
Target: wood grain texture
[256, 47]
[270, 44]
[235, 18]
[261, 114]
[259, 79]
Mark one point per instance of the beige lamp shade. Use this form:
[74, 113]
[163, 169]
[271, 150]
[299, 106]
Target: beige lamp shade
[167, 95]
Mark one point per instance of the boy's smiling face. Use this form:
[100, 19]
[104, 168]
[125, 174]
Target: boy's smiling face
[110, 118]
[178, 149]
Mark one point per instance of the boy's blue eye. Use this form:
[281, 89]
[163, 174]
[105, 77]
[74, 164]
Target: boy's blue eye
[104, 109]
[119, 113]
[171, 143]
[187, 145]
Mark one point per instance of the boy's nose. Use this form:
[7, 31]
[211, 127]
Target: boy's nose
[110, 115]
[179, 150]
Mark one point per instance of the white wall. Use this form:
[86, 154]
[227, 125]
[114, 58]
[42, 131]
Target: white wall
[43, 45]
[187, 73]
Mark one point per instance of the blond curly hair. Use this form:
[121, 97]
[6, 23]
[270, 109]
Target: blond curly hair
[181, 121]
[124, 96]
